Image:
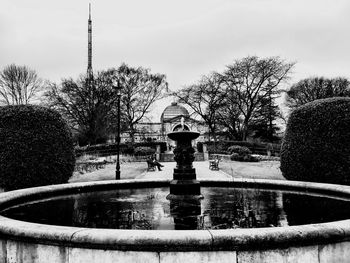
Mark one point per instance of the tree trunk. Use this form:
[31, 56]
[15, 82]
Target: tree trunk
[245, 131]
[132, 134]
[214, 136]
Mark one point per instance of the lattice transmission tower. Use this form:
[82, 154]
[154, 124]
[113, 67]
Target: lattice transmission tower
[90, 75]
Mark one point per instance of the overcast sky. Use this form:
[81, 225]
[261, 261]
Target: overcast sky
[183, 39]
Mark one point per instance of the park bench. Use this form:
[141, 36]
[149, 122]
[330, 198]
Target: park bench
[150, 166]
[214, 164]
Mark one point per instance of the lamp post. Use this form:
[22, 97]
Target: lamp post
[117, 168]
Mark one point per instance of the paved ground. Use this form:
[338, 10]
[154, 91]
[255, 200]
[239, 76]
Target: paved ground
[202, 172]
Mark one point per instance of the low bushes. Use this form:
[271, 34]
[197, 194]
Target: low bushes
[241, 150]
[236, 152]
[254, 147]
[219, 147]
[104, 149]
[36, 147]
[241, 154]
[111, 149]
[316, 146]
[142, 151]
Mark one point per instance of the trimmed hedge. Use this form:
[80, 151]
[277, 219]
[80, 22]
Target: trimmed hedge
[36, 147]
[241, 150]
[254, 147]
[241, 154]
[316, 146]
[103, 149]
[243, 158]
[220, 147]
[141, 150]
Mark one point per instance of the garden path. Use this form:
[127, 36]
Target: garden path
[202, 172]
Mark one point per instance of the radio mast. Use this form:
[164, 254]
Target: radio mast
[90, 75]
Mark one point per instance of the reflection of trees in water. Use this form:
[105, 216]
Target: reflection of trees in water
[149, 209]
[243, 208]
[303, 209]
[114, 210]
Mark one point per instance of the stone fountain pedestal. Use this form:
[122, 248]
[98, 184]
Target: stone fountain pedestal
[184, 185]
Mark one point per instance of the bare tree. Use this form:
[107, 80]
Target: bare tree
[311, 89]
[91, 109]
[229, 117]
[140, 89]
[204, 98]
[19, 85]
[85, 106]
[251, 80]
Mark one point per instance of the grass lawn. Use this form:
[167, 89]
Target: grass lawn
[257, 170]
[128, 170]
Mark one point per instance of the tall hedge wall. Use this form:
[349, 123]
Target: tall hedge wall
[316, 146]
[36, 147]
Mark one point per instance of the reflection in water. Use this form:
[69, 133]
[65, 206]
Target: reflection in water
[245, 208]
[186, 213]
[144, 208]
[125, 209]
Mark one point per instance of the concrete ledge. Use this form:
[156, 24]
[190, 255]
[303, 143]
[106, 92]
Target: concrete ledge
[167, 241]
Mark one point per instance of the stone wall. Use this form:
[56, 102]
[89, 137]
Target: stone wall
[22, 252]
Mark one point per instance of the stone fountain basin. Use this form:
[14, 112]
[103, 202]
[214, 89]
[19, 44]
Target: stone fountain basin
[30, 242]
[183, 135]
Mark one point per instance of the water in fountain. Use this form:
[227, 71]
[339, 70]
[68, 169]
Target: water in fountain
[148, 208]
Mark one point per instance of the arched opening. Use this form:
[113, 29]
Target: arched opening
[178, 127]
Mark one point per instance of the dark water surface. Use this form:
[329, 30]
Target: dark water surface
[148, 208]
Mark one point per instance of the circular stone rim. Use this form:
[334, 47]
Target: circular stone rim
[174, 240]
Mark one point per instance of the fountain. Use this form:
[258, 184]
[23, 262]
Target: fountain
[237, 220]
[185, 192]
[184, 185]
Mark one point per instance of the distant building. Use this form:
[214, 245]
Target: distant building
[170, 121]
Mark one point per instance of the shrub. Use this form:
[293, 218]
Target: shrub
[103, 149]
[144, 150]
[316, 146]
[243, 158]
[163, 145]
[241, 154]
[240, 150]
[218, 147]
[36, 147]
[254, 147]
[234, 157]
[111, 148]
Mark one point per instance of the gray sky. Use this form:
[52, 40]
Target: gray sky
[183, 39]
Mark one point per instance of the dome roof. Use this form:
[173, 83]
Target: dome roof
[174, 110]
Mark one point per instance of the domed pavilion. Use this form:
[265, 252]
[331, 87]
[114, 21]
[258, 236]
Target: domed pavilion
[174, 117]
